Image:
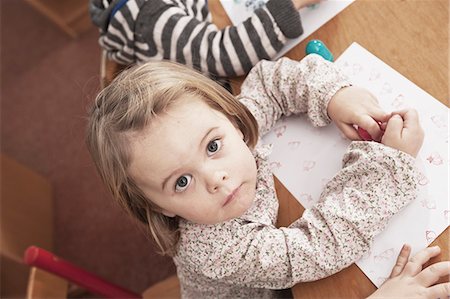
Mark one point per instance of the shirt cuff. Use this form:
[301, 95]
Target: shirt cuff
[286, 16]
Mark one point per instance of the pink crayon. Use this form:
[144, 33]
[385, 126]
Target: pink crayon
[364, 134]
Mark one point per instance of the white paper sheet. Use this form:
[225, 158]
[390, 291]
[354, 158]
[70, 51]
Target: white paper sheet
[304, 158]
[312, 17]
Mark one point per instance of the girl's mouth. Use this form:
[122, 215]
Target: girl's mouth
[232, 196]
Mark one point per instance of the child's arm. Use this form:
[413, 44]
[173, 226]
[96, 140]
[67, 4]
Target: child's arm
[313, 86]
[285, 87]
[376, 182]
[182, 32]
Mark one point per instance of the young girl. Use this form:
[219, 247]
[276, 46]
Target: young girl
[182, 155]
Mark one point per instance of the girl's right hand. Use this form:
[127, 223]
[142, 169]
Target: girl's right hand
[403, 132]
[409, 280]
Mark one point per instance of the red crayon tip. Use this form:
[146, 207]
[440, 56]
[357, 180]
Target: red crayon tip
[364, 134]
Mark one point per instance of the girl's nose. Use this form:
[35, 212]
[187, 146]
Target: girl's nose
[216, 180]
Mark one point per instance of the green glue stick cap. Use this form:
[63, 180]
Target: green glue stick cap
[318, 47]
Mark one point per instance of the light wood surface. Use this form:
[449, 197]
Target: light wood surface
[412, 37]
[27, 209]
[44, 285]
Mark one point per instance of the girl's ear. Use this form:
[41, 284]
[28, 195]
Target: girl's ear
[167, 213]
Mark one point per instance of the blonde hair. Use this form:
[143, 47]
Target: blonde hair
[129, 104]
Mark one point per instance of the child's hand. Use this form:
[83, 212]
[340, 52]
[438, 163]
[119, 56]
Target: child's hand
[408, 280]
[302, 3]
[403, 132]
[357, 106]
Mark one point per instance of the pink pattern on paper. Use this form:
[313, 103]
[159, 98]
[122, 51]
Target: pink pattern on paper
[279, 131]
[374, 75]
[430, 235]
[435, 158]
[387, 88]
[305, 197]
[384, 256]
[423, 180]
[308, 165]
[275, 165]
[294, 144]
[399, 102]
[357, 68]
[447, 215]
[429, 204]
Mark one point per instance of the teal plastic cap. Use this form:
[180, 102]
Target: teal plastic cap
[318, 47]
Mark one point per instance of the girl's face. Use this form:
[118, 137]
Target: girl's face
[193, 162]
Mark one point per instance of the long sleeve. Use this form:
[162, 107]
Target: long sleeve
[182, 31]
[375, 183]
[285, 87]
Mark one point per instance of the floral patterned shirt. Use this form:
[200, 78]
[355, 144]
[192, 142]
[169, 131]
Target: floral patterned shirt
[248, 256]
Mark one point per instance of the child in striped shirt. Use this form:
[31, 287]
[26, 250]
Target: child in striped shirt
[181, 30]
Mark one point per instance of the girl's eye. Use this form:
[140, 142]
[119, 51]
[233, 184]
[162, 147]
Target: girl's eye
[183, 182]
[213, 146]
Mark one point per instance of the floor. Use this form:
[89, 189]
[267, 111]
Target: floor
[47, 82]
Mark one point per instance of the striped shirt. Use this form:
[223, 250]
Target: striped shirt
[136, 31]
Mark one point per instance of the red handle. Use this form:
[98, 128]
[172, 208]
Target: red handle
[40, 258]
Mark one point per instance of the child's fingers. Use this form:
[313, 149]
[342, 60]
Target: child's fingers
[441, 290]
[380, 115]
[402, 260]
[411, 119]
[349, 131]
[414, 266]
[401, 112]
[394, 127]
[371, 126]
[431, 274]
[410, 116]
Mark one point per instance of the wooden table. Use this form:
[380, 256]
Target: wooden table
[409, 35]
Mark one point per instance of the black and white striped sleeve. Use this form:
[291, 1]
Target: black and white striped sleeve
[181, 30]
[117, 28]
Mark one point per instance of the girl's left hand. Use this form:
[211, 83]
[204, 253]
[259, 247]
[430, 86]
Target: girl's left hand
[357, 106]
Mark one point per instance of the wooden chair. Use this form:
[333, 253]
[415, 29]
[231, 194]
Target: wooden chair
[51, 276]
[109, 69]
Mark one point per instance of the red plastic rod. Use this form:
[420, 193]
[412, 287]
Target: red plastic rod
[40, 258]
